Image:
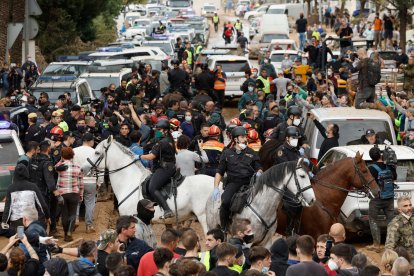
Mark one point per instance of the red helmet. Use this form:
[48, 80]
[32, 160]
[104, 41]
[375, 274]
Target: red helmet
[252, 135]
[214, 131]
[268, 133]
[247, 125]
[56, 131]
[174, 123]
[235, 121]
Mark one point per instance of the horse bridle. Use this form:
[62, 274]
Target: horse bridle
[365, 183]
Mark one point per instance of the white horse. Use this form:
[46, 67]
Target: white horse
[265, 197]
[127, 174]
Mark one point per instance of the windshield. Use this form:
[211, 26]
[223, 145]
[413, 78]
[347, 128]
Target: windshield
[179, 3]
[132, 18]
[209, 8]
[281, 57]
[54, 93]
[197, 26]
[267, 38]
[165, 47]
[8, 153]
[96, 83]
[234, 66]
[275, 11]
[64, 69]
[141, 23]
[351, 131]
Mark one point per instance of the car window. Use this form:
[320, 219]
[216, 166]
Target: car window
[326, 160]
[405, 170]
[8, 153]
[351, 131]
[276, 11]
[267, 38]
[280, 57]
[234, 65]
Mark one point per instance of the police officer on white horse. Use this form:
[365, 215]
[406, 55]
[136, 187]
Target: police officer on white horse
[241, 163]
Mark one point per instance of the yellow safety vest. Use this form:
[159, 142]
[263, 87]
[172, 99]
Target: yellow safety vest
[238, 26]
[266, 83]
[215, 19]
[237, 268]
[198, 49]
[189, 57]
[205, 259]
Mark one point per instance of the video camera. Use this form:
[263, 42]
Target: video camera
[388, 155]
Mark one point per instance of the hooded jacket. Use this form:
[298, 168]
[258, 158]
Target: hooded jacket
[83, 267]
[280, 256]
[22, 194]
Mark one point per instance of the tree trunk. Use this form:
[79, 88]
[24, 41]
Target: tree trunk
[309, 8]
[315, 7]
[361, 9]
[403, 27]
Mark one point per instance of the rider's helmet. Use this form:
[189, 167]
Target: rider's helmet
[175, 62]
[252, 135]
[56, 133]
[238, 131]
[162, 124]
[294, 110]
[174, 124]
[214, 131]
[293, 132]
[235, 121]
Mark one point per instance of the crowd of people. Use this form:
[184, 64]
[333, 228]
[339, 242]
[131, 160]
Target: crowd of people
[172, 120]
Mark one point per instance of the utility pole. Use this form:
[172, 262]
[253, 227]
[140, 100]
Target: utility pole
[26, 29]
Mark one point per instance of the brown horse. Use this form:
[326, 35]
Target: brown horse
[267, 153]
[331, 186]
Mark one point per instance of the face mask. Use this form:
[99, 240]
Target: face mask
[251, 89]
[248, 238]
[296, 122]
[332, 265]
[255, 74]
[188, 118]
[266, 61]
[242, 146]
[294, 142]
[81, 128]
[286, 58]
[265, 269]
[144, 214]
[159, 134]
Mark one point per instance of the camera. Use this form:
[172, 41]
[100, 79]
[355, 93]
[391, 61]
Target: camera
[388, 155]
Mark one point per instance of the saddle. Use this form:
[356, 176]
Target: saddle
[240, 200]
[167, 190]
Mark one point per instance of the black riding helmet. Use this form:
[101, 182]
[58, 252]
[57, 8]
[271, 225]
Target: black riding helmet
[294, 110]
[238, 131]
[162, 124]
[292, 131]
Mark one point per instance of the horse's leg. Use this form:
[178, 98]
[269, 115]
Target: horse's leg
[202, 219]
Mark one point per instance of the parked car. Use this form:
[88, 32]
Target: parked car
[354, 211]
[257, 12]
[352, 123]
[208, 10]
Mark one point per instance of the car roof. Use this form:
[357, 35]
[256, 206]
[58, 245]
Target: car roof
[215, 52]
[349, 113]
[278, 6]
[283, 52]
[13, 133]
[76, 62]
[58, 84]
[402, 152]
[229, 57]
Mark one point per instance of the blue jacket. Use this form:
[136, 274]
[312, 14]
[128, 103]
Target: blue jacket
[33, 231]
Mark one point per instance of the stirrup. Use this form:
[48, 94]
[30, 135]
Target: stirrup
[167, 214]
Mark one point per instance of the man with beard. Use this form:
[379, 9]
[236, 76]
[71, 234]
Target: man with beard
[110, 102]
[145, 213]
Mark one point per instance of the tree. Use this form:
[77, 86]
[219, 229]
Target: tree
[402, 8]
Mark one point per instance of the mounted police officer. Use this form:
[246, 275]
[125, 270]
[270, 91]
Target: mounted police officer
[289, 151]
[240, 163]
[163, 156]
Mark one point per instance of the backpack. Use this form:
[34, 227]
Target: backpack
[373, 72]
[385, 182]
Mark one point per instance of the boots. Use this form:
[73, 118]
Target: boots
[224, 218]
[68, 235]
[160, 199]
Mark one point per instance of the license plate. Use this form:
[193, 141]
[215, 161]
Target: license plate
[398, 194]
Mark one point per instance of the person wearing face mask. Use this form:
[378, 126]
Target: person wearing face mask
[145, 213]
[263, 81]
[400, 229]
[341, 258]
[163, 156]
[241, 235]
[240, 163]
[294, 114]
[187, 126]
[250, 95]
[259, 258]
[250, 75]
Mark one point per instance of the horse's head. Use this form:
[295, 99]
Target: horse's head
[95, 162]
[363, 180]
[300, 185]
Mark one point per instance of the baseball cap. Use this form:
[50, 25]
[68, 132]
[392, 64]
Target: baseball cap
[32, 115]
[370, 132]
[106, 237]
[147, 203]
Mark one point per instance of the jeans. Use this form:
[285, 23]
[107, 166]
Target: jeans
[302, 41]
[89, 198]
[69, 211]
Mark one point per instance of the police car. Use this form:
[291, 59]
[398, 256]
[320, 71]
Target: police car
[354, 211]
[10, 150]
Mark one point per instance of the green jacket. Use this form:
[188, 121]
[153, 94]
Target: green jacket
[400, 232]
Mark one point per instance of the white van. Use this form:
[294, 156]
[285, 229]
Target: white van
[354, 211]
[234, 67]
[292, 10]
[128, 53]
[352, 123]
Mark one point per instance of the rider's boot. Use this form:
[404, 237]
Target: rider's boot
[160, 199]
[224, 218]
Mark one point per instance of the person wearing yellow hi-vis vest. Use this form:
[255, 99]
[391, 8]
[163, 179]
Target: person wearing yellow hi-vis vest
[197, 50]
[214, 237]
[188, 55]
[216, 21]
[263, 81]
[239, 27]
